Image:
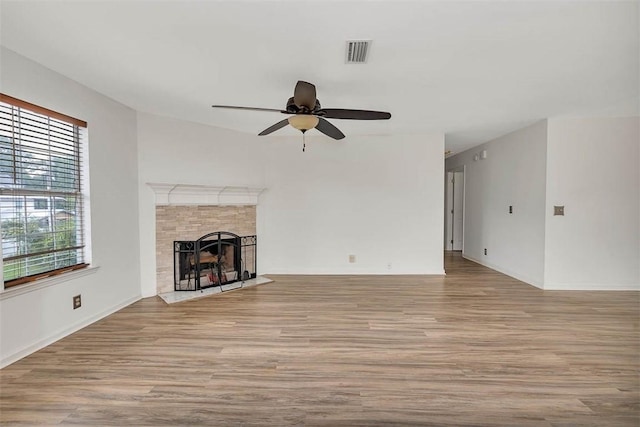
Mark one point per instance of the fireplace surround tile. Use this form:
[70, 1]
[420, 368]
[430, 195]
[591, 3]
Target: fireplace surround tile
[175, 222]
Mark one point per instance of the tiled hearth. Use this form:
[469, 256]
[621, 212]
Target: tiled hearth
[181, 296]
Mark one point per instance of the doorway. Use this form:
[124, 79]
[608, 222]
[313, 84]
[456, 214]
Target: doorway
[454, 210]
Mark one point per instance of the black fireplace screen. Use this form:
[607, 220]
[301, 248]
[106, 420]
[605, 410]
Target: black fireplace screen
[215, 259]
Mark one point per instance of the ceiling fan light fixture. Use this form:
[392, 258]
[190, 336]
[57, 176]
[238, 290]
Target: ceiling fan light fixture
[308, 114]
[303, 122]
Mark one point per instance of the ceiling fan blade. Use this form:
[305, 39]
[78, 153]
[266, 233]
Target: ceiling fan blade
[329, 129]
[275, 127]
[249, 108]
[340, 113]
[304, 95]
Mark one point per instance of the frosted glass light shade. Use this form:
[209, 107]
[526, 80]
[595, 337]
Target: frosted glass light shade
[303, 122]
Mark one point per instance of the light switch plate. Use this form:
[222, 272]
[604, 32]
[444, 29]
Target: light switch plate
[558, 210]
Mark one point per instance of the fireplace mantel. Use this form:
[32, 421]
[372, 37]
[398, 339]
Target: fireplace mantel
[184, 194]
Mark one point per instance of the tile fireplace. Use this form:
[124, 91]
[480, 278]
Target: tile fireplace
[185, 212]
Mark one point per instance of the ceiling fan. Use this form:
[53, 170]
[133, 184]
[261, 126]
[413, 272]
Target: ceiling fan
[308, 114]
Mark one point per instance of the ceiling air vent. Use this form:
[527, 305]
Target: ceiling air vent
[357, 51]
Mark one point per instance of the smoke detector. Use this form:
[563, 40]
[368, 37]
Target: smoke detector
[357, 51]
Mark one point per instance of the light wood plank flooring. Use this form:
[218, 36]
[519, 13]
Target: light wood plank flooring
[474, 348]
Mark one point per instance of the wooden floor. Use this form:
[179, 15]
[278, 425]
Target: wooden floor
[474, 348]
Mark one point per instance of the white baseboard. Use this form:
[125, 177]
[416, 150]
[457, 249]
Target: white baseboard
[502, 270]
[592, 287]
[67, 331]
[315, 272]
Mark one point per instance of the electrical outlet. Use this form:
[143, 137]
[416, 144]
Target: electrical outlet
[77, 301]
[389, 266]
[485, 251]
[352, 259]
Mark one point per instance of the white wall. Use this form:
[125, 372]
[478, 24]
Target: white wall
[512, 174]
[593, 170]
[377, 197]
[591, 166]
[32, 320]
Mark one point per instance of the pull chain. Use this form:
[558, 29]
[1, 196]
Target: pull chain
[304, 143]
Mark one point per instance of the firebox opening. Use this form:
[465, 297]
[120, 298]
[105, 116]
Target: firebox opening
[215, 259]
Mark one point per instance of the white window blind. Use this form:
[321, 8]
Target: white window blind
[41, 198]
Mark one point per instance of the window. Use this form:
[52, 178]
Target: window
[41, 194]
[40, 204]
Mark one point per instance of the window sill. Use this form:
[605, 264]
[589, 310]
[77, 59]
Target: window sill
[46, 282]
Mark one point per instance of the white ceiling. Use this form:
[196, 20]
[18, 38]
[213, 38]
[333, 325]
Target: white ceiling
[473, 70]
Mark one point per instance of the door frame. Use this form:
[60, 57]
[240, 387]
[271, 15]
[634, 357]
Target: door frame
[449, 212]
